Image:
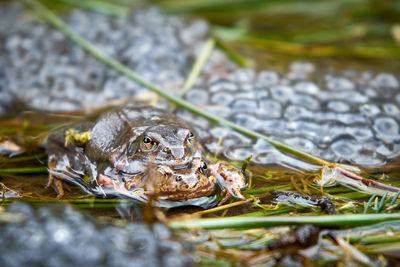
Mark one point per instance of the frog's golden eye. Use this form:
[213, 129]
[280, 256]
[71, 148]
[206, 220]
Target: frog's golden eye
[148, 143]
[190, 137]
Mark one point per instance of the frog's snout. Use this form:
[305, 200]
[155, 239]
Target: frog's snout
[175, 152]
[178, 152]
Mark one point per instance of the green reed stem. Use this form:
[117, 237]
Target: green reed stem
[256, 222]
[234, 56]
[24, 170]
[45, 14]
[105, 7]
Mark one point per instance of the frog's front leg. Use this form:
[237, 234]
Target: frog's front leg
[66, 160]
[230, 179]
[125, 185]
[54, 181]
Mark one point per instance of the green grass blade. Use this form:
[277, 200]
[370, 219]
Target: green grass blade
[24, 170]
[256, 222]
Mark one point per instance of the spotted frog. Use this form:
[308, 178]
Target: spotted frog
[137, 151]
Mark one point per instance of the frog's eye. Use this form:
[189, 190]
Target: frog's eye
[190, 137]
[203, 165]
[148, 143]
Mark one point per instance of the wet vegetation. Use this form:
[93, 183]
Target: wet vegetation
[331, 215]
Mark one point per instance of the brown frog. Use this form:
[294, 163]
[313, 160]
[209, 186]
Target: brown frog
[135, 151]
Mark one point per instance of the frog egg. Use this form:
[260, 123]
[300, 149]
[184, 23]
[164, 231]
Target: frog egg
[267, 78]
[199, 97]
[223, 85]
[294, 112]
[345, 118]
[274, 127]
[240, 152]
[263, 146]
[369, 92]
[220, 132]
[247, 121]
[385, 80]
[305, 100]
[387, 129]
[260, 93]
[222, 98]
[338, 106]
[328, 154]
[369, 110]
[350, 96]
[369, 158]
[282, 93]
[360, 133]
[338, 84]
[307, 88]
[221, 111]
[301, 143]
[346, 148]
[389, 150]
[271, 157]
[244, 105]
[391, 110]
[244, 75]
[270, 108]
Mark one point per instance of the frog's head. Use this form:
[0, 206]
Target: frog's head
[165, 142]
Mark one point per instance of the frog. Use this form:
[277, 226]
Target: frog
[138, 151]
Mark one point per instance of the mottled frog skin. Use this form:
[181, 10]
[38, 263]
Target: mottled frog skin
[135, 151]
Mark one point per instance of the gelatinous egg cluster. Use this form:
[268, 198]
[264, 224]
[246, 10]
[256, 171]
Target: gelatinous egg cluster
[48, 71]
[60, 236]
[349, 118]
[353, 117]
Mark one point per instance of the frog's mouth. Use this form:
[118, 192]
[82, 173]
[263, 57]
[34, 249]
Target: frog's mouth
[185, 165]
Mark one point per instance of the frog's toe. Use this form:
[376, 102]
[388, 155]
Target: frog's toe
[237, 193]
[57, 185]
[229, 192]
[226, 197]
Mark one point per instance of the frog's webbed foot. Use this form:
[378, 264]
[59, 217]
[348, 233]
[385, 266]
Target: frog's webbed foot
[229, 193]
[230, 179]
